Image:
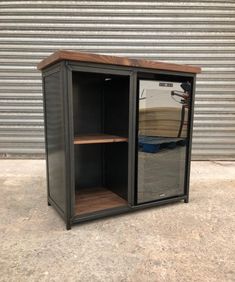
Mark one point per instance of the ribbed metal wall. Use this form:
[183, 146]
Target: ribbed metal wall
[200, 33]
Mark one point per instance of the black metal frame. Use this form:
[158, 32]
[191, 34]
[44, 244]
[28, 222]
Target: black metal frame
[66, 68]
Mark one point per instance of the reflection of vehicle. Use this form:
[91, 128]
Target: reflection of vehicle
[184, 101]
[163, 111]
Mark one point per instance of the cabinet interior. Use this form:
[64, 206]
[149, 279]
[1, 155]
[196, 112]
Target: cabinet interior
[101, 122]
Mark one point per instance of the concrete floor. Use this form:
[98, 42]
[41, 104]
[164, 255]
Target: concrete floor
[179, 242]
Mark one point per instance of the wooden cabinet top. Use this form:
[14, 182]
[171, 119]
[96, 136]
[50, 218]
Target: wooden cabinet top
[113, 60]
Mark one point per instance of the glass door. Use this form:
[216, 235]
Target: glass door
[163, 110]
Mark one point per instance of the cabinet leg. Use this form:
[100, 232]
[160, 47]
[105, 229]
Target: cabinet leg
[186, 200]
[68, 226]
[48, 204]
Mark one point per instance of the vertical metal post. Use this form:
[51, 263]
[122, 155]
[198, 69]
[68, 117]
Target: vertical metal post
[190, 134]
[70, 139]
[45, 137]
[66, 81]
[131, 139]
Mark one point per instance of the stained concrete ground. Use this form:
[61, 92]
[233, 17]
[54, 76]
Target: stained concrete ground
[179, 242]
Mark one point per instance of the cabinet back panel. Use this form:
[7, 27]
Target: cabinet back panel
[116, 106]
[88, 166]
[116, 168]
[87, 101]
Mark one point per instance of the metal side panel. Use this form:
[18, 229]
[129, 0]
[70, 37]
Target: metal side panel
[200, 33]
[55, 139]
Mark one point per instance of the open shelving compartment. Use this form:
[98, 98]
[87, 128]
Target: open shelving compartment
[101, 123]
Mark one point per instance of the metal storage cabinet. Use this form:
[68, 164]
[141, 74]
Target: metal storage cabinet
[118, 133]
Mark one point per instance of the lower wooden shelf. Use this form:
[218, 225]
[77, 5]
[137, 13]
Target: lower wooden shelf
[96, 199]
[98, 138]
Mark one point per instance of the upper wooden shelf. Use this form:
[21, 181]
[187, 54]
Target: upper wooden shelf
[98, 138]
[113, 60]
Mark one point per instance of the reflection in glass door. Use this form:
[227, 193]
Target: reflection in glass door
[162, 139]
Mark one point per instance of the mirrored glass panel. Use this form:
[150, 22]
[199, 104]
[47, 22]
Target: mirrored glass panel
[162, 139]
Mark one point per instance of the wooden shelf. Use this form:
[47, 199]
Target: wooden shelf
[96, 199]
[98, 138]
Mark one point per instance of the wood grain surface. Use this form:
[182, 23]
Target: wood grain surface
[96, 199]
[113, 60]
[98, 138]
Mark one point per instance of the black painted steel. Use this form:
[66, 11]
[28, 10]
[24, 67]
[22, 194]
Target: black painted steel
[55, 132]
[131, 138]
[190, 134]
[116, 168]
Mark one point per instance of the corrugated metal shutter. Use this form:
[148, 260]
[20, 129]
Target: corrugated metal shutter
[200, 33]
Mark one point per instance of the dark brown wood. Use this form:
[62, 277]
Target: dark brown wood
[98, 138]
[96, 199]
[113, 60]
